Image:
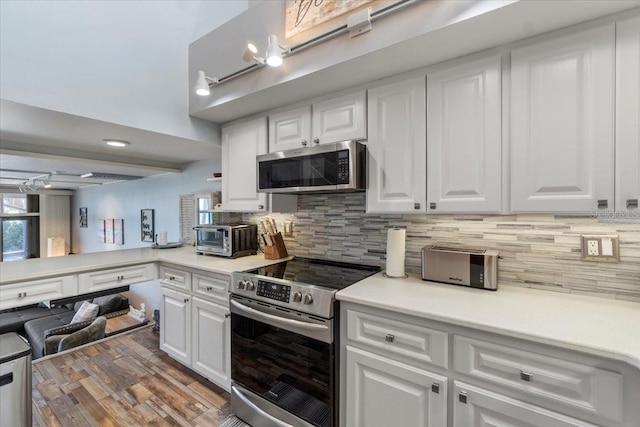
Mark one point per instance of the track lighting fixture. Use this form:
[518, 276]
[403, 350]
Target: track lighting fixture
[274, 52]
[249, 54]
[32, 184]
[203, 84]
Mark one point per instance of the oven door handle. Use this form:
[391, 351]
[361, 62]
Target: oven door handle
[280, 320]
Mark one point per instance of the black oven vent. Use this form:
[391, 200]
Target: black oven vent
[300, 403]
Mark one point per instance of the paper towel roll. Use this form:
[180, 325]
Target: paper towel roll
[395, 252]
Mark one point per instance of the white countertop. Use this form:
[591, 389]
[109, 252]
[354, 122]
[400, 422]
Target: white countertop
[597, 326]
[40, 268]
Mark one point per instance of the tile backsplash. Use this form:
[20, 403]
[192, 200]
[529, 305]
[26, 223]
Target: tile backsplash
[538, 250]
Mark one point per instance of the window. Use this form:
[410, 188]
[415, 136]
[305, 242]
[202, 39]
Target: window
[20, 226]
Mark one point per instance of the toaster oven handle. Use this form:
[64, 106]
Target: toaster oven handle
[279, 320]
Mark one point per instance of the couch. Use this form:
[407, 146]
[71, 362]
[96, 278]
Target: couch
[74, 335]
[38, 330]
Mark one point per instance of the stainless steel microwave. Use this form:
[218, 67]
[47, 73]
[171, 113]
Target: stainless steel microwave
[231, 241]
[337, 166]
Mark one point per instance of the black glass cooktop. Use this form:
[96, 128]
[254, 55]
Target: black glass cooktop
[329, 274]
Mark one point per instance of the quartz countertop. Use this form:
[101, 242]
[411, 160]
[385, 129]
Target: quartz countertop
[41, 268]
[598, 326]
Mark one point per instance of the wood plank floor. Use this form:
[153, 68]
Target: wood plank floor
[123, 381]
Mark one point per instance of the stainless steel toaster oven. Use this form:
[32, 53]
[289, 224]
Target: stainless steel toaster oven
[466, 267]
[231, 241]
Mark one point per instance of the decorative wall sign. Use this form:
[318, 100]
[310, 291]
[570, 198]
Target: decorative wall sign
[101, 232]
[147, 225]
[108, 230]
[118, 231]
[83, 217]
[304, 14]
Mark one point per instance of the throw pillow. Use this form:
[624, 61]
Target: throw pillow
[87, 311]
[108, 303]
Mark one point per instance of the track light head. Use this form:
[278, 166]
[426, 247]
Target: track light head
[274, 52]
[202, 86]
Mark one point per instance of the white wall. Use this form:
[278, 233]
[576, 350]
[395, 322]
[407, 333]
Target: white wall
[124, 62]
[125, 200]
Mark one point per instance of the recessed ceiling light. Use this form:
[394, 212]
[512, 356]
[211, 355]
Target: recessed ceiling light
[116, 143]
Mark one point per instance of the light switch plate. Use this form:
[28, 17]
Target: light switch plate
[601, 248]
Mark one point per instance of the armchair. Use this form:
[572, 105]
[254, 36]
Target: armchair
[74, 335]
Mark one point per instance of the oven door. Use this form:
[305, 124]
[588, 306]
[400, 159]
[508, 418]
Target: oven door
[282, 361]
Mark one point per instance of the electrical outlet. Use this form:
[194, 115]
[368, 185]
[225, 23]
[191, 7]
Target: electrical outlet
[601, 248]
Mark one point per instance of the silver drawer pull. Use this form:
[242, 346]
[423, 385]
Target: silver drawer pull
[632, 203]
[209, 288]
[389, 338]
[435, 387]
[462, 397]
[172, 277]
[186, 300]
[603, 204]
[526, 376]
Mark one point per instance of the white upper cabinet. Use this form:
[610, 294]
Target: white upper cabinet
[628, 115]
[241, 143]
[397, 147]
[340, 119]
[337, 119]
[464, 138]
[562, 123]
[290, 129]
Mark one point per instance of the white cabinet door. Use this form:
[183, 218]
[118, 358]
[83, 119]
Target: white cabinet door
[397, 148]
[290, 129]
[628, 116]
[464, 138]
[211, 342]
[241, 143]
[116, 277]
[340, 119]
[476, 407]
[381, 393]
[25, 293]
[175, 325]
[562, 124]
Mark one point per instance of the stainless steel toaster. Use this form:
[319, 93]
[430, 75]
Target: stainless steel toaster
[466, 267]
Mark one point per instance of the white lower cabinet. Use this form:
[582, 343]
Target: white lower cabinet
[195, 328]
[175, 325]
[403, 370]
[382, 392]
[211, 341]
[476, 407]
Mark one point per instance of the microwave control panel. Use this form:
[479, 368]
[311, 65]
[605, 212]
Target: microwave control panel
[343, 167]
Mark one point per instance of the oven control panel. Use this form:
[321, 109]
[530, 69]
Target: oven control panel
[273, 291]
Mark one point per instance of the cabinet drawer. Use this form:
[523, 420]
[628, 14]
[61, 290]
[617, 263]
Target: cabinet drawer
[175, 277]
[212, 286]
[569, 383]
[407, 339]
[113, 278]
[19, 294]
[473, 406]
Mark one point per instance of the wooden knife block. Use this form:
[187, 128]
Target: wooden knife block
[278, 250]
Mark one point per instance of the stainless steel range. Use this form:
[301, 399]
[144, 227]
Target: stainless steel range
[283, 341]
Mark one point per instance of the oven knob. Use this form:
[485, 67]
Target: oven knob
[307, 299]
[297, 297]
[242, 284]
[250, 286]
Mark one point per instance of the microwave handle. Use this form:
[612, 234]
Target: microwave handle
[279, 320]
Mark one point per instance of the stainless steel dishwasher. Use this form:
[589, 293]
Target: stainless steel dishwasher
[15, 380]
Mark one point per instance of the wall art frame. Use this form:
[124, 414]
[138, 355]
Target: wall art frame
[147, 225]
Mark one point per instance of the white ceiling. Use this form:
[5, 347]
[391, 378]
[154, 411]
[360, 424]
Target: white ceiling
[34, 141]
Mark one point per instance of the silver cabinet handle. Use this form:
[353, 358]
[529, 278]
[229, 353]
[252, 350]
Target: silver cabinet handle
[316, 140]
[226, 316]
[603, 204]
[209, 288]
[185, 300]
[462, 397]
[526, 376]
[172, 278]
[435, 388]
[416, 206]
[432, 206]
[632, 203]
[304, 142]
[389, 338]
[260, 207]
